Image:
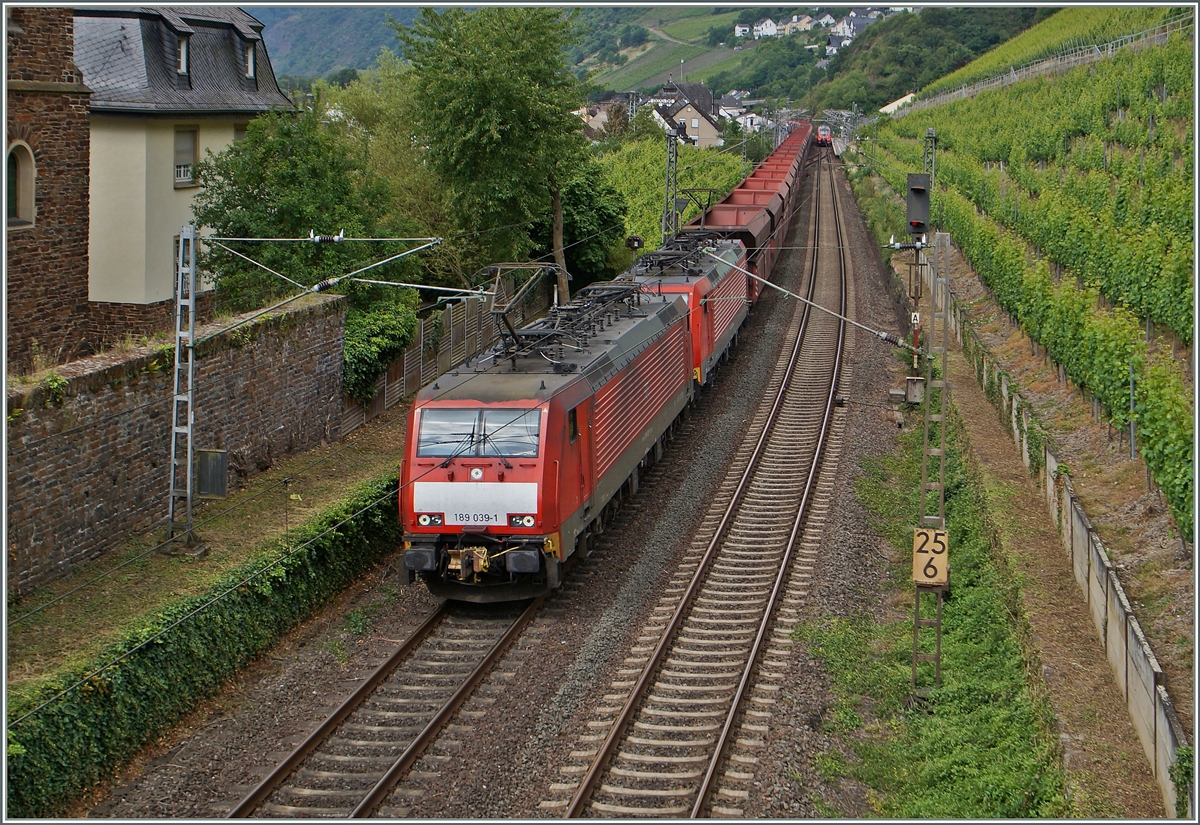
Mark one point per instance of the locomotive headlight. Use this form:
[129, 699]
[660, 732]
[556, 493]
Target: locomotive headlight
[476, 473]
[527, 521]
[423, 521]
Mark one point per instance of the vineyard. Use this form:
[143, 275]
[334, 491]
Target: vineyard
[1073, 199]
[1066, 29]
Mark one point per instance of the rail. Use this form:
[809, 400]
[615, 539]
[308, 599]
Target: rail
[379, 791]
[668, 638]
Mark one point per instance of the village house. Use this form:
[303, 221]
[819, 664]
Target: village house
[765, 28]
[797, 23]
[168, 84]
[834, 43]
[851, 27]
[693, 106]
[741, 29]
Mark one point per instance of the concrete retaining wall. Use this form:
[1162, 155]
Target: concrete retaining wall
[1133, 663]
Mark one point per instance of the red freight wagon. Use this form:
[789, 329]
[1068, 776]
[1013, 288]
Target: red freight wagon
[759, 210]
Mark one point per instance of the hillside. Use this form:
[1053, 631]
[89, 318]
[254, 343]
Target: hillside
[906, 52]
[1081, 227]
[313, 41]
[619, 47]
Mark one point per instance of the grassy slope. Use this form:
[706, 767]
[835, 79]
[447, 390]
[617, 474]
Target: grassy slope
[76, 629]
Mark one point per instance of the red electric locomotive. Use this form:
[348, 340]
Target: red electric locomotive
[509, 462]
[824, 136]
[715, 293]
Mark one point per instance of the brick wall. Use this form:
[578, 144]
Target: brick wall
[85, 470]
[47, 263]
[111, 321]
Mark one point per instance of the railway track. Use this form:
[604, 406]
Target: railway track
[349, 765]
[692, 700]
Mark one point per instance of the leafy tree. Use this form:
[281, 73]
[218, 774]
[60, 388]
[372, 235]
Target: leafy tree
[342, 77]
[633, 35]
[718, 35]
[290, 176]
[594, 226]
[379, 109]
[497, 115]
[294, 174]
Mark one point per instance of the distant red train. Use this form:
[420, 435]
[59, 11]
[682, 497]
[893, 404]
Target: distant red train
[824, 136]
[512, 460]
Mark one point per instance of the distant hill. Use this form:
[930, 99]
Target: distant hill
[312, 41]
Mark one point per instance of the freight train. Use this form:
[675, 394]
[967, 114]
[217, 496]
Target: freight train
[513, 460]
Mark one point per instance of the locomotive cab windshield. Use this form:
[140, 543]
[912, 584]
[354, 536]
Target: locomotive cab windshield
[454, 433]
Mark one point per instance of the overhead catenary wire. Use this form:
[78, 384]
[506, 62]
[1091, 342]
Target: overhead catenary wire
[320, 286]
[888, 337]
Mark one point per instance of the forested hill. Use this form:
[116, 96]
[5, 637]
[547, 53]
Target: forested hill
[908, 51]
[312, 41]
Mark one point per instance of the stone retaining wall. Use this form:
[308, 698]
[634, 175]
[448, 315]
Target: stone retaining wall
[89, 462]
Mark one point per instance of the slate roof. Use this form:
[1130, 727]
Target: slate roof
[700, 95]
[127, 57]
[669, 113]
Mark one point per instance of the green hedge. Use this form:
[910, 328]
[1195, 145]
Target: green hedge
[78, 740]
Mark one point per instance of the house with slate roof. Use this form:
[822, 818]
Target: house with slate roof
[167, 84]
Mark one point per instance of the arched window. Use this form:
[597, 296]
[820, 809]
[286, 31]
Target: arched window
[19, 177]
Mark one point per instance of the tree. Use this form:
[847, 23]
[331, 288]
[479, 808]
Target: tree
[379, 109]
[343, 77]
[593, 226]
[497, 115]
[290, 176]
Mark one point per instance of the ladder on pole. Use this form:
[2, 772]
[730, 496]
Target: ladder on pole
[182, 410]
[933, 459]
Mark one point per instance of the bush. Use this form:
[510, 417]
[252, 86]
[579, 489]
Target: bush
[374, 337]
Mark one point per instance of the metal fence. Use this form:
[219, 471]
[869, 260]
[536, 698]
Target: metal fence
[443, 339]
[1077, 56]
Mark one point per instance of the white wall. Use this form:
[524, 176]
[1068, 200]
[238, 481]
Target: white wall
[136, 210]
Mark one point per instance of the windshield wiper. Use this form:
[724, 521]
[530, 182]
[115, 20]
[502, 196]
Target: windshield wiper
[503, 460]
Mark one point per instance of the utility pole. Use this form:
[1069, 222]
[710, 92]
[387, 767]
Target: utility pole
[182, 404]
[931, 157]
[672, 191]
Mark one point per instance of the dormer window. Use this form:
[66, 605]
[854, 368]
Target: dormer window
[250, 59]
[181, 54]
